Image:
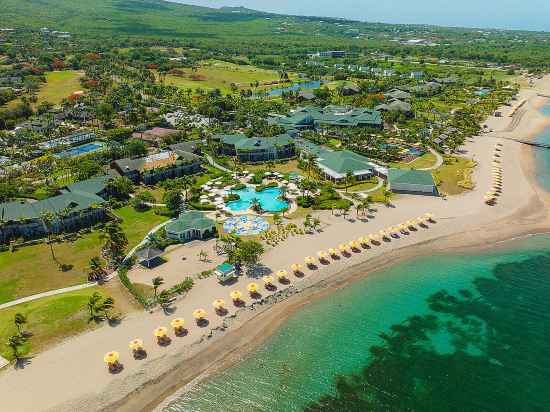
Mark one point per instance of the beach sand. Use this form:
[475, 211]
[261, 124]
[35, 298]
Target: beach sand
[73, 377]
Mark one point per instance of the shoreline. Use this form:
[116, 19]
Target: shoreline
[464, 224]
[259, 328]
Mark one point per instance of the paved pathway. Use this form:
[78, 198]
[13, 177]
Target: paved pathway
[83, 285]
[216, 165]
[438, 163]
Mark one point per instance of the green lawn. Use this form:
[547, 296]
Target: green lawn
[137, 224]
[220, 75]
[450, 177]
[32, 270]
[286, 167]
[59, 86]
[50, 319]
[422, 162]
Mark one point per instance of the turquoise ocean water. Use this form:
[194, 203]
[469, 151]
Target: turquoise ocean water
[464, 332]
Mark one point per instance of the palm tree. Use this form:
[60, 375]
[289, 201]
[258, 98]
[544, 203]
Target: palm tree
[388, 194]
[115, 241]
[47, 221]
[203, 255]
[277, 220]
[255, 205]
[157, 282]
[19, 321]
[15, 342]
[95, 269]
[186, 183]
[316, 223]
[92, 305]
[350, 178]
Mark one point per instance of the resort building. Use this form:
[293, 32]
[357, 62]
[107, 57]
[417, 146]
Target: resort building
[335, 165]
[396, 106]
[151, 169]
[256, 149]
[155, 135]
[412, 181]
[77, 206]
[74, 139]
[191, 225]
[330, 116]
[397, 94]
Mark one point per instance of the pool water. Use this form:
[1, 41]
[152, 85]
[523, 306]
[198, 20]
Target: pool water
[268, 198]
[313, 84]
[81, 150]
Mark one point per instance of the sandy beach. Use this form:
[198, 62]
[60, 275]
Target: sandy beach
[73, 377]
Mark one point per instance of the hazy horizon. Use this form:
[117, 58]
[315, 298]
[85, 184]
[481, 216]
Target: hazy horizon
[501, 14]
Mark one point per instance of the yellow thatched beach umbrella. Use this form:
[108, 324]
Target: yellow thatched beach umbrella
[281, 274]
[402, 227]
[218, 304]
[322, 255]
[177, 323]
[199, 314]
[236, 295]
[136, 344]
[363, 240]
[296, 267]
[332, 251]
[343, 247]
[252, 287]
[373, 238]
[111, 357]
[268, 280]
[160, 332]
[382, 234]
[310, 260]
[353, 244]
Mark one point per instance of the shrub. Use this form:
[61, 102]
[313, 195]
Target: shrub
[125, 280]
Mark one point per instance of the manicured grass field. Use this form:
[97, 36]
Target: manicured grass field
[54, 318]
[59, 86]
[32, 270]
[450, 176]
[286, 167]
[220, 75]
[422, 162]
[137, 224]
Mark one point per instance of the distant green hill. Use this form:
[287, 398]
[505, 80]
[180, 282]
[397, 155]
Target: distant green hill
[137, 17]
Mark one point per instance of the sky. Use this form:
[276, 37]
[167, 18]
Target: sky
[505, 14]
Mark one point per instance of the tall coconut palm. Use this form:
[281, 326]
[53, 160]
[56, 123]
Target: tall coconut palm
[157, 282]
[19, 320]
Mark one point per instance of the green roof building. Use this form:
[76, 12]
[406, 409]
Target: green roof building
[191, 225]
[256, 149]
[412, 181]
[77, 206]
[336, 164]
[330, 116]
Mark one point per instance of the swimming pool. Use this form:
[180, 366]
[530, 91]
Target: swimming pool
[268, 198]
[81, 150]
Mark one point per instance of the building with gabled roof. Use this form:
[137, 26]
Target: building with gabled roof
[256, 149]
[335, 165]
[190, 225]
[412, 181]
[154, 168]
[331, 116]
[77, 206]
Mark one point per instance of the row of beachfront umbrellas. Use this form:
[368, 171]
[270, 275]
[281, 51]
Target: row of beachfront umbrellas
[374, 238]
[496, 188]
[200, 315]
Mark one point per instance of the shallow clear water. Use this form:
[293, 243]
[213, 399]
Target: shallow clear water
[333, 335]
[489, 351]
[268, 198]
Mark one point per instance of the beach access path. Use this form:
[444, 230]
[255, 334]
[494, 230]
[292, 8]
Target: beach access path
[55, 377]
